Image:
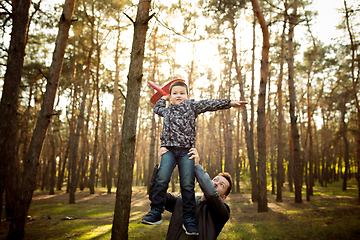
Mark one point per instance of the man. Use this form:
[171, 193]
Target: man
[211, 211]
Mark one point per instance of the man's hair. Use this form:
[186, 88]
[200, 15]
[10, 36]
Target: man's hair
[227, 176]
[179, 83]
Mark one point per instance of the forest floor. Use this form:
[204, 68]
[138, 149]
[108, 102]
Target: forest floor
[330, 214]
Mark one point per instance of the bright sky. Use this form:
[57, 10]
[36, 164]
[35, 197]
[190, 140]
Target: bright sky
[328, 18]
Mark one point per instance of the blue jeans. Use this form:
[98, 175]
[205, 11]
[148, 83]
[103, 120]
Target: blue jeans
[179, 156]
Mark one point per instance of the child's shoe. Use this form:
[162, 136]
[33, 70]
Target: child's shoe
[190, 226]
[152, 218]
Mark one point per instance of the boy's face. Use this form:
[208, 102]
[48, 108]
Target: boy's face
[178, 94]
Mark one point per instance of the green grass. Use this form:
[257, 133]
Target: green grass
[330, 214]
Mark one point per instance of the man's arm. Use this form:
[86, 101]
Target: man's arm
[210, 192]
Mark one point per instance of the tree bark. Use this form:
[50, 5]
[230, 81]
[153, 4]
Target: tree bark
[9, 170]
[80, 123]
[228, 129]
[237, 155]
[270, 141]
[298, 173]
[84, 156]
[346, 144]
[52, 162]
[310, 184]
[151, 162]
[96, 140]
[355, 81]
[115, 117]
[261, 127]
[280, 142]
[61, 170]
[28, 184]
[128, 137]
[248, 134]
[104, 165]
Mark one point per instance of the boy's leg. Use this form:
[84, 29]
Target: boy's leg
[187, 184]
[166, 168]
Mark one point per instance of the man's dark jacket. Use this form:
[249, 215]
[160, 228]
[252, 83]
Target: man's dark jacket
[211, 214]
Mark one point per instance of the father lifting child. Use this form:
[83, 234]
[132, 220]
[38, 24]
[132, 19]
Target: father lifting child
[178, 136]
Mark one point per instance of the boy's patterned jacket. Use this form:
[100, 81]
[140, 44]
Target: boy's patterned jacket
[179, 123]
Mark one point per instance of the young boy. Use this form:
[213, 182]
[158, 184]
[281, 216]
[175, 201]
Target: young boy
[179, 136]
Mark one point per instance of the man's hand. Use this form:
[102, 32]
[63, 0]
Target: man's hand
[162, 150]
[194, 154]
[237, 104]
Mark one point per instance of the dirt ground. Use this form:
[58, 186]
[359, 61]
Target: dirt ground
[243, 210]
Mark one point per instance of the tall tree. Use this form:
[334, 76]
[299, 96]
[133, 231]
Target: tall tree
[248, 137]
[280, 142]
[294, 129]
[261, 127]
[81, 118]
[355, 82]
[346, 142]
[309, 144]
[52, 160]
[97, 123]
[128, 136]
[28, 185]
[115, 115]
[153, 122]
[9, 174]
[250, 130]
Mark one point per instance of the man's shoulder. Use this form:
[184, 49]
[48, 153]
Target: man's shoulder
[227, 206]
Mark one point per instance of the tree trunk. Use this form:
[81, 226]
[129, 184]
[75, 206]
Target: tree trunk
[237, 155]
[228, 130]
[291, 161]
[270, 141]
[61, 170]
[96, 140]
[128, 137]
[324, 140]
[61, 156]
[280, 156]
[52, 162]
[248, 134]
[28, 184]
[24, 132]
[151, 162]
[104, 165]
[261, 127]
[355, 81]
[309, 114]
[45, 168]
[80, 123]
[294, 129]
[84, 156]
[115, 117]
[9, 173]
[346, 144]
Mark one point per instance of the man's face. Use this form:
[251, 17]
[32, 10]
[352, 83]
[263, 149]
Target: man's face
[178, 95]
[221, 185]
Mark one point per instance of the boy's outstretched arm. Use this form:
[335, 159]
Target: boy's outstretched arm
[237, 104]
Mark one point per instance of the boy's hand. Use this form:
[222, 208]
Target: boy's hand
[162, 150]
[166, 98]
[195, 155]
[237, 104]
